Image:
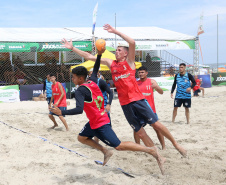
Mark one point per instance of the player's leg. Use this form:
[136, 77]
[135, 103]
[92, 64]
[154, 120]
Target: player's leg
[202, 89]
[187, 115]
[136, 137]
[144, 137]
[64, 122]
[85, 137]
[161, 139]
[53, 120]
[177, 103]
[187, 105]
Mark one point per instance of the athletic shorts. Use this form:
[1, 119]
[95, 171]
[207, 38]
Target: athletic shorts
[186, 102]
[61, 108]
[144, 124]
[138, 113]
[196, 93]
[104, 133]
[48, 99]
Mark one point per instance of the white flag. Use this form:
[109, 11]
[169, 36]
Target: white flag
[94, 17]
[200, 28]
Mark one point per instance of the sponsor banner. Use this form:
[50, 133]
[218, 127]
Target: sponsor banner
[218, 79]
[27, 92]
[158, 45]
[206, 82]
[9, 93]
[70, 89]
[164, 82]
[42, 46]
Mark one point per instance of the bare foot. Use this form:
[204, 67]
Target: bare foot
[158, 157]
[182, 151]
[107, 156]
[53, 126]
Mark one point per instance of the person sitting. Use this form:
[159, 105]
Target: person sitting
[20, 76]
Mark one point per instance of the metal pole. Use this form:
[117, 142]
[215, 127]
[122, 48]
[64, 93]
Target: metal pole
[217, 43]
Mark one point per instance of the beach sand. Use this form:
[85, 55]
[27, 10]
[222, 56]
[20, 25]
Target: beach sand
[27, 159]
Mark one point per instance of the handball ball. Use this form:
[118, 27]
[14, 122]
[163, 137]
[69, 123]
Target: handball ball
[100, 44]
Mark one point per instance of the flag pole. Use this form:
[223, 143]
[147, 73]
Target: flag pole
[217, 43]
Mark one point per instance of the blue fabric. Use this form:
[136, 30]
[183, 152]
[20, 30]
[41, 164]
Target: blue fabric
[48, 89]
[183, 83]
[104, 94]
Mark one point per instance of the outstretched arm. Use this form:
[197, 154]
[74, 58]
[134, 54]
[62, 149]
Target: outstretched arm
[132, 44]
[86, 55]
[156, 86]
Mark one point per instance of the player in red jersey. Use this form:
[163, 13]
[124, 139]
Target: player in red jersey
[131, 99]
[146, 86]
[197, 89]
[90, 99]
[59, 99]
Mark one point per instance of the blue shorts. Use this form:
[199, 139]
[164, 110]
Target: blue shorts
[144, 124]
[186, 102]
[61, 108]
[104, 133]
[48, 100]
[138, 113]
[196, 93]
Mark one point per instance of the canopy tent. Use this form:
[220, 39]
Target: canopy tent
[107, 54]
[147, 38]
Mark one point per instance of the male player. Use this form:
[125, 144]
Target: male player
[183, 94]
[146, 86]
[90, 99]
[59, 98]
[47, 84]
[197, 89]
[131, 99]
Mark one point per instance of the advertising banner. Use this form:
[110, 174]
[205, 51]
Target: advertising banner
[27, 92]
[158, 45]
[164, 82]
[42, 46]
[206, 82]
[9, 93]
[218, 79]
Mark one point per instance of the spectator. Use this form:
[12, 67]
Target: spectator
[20, 76]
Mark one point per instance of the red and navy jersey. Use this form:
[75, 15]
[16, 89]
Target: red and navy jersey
[197, 86]
[147, 91]
[125, 82]
[95, 109]
[57, 93]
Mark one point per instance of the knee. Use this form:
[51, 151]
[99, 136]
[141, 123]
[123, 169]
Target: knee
[141, 133]
[50, 116]
[82, 139]
[157, 126]
[119, 147]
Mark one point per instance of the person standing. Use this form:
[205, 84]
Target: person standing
[147, 87]
[131, 99]
[183, 95]
[59, 98]
[47, 90]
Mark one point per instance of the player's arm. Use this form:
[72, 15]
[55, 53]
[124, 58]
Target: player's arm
[132, 44]
[80, 98]
[156, 86]
[174, 85]
[86, 55]
[51, 101]
[191, 78]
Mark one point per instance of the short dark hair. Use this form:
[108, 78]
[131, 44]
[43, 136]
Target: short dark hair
[182, 64]
[52, 75]
[80, 71]
[142, 68]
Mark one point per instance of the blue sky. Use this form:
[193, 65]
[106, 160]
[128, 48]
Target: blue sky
[175, 15]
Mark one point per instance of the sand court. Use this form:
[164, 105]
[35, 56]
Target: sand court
[28, 159]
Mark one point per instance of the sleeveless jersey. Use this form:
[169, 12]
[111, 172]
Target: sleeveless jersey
[57, 94]
[48, 89]
[147, 91]
[197, 86]
[183, 83]
[104, 93]
[125, 82]
[95, 109]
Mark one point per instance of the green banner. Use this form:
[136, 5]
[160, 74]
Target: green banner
[9, 93]
[218, 78]
[42, 46]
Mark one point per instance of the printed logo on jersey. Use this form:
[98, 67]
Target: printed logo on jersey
[122, 76]
[124, 67]
[99, 102]
[146, 94]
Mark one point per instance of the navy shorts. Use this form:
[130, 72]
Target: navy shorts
[104, 133]
[144, 124]
[138, 113]
[61, 108]
[48, 100]
[186, 102]
[196, 93]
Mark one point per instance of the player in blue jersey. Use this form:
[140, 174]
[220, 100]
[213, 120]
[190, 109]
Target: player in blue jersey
[183, 94]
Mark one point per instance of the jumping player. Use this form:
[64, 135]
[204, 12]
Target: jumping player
[90, 99]
[146, 86]
[131, 99]
[59, 98]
